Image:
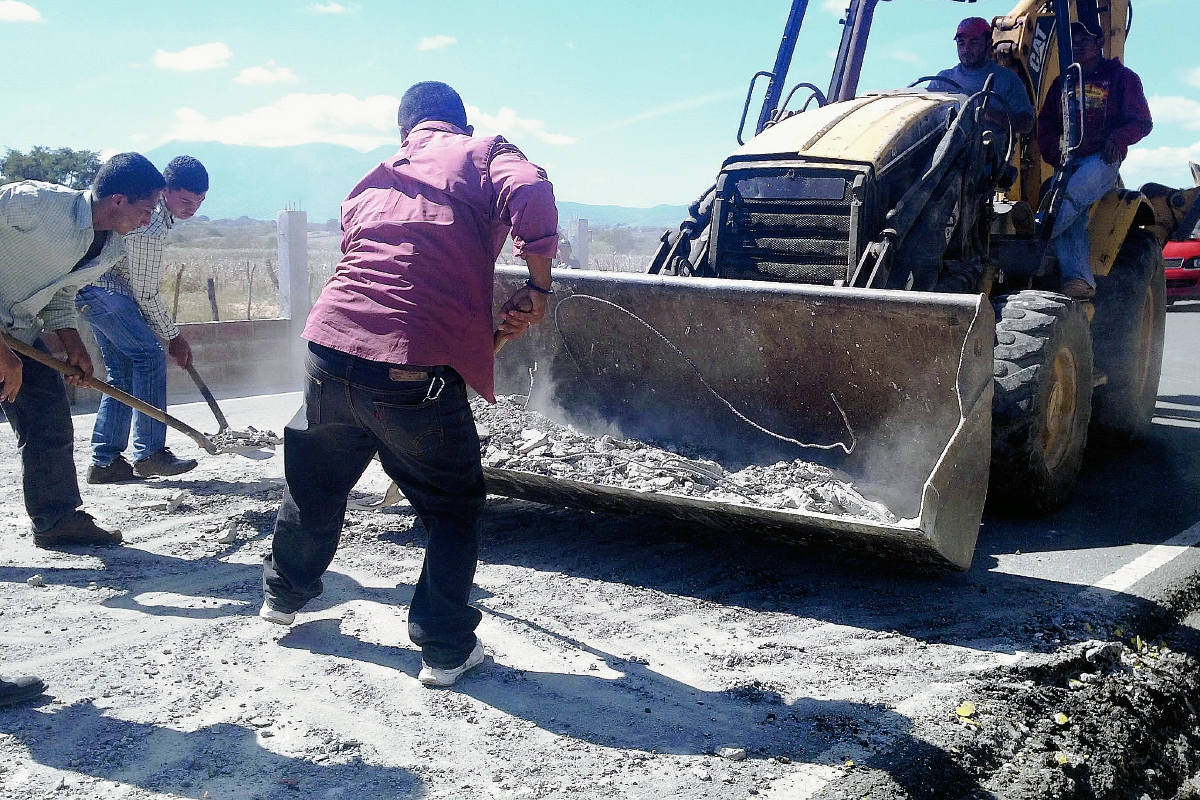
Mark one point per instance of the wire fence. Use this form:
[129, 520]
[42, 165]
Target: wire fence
[245, 280]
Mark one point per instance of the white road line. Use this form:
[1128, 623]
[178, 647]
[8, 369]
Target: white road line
[1122, 579]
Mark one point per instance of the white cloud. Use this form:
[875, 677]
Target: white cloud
[298, 119]
[1165, 165]
[835, 7]
[513, 127]
[1192, 76]
[436, 42]
[335, 119]
[12, 11]
[268, 73]
[1175, 110]
[327, 8]
[202, 56]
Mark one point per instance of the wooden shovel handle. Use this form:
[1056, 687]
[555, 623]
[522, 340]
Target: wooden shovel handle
[113, 392]
[222, 423]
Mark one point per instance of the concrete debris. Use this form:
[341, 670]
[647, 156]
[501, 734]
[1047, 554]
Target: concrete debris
[228, 534]
[1104, 653]
[528, 442]
[732, 753]
[391, 497]
[249, 438]
[169, 505]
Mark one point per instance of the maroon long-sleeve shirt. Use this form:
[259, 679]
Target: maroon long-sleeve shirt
[420, 236]
[1114, 107]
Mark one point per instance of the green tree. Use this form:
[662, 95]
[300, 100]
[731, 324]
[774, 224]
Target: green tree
[74, 168]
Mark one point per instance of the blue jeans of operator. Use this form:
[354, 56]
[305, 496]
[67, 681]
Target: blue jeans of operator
[425, 436]
[136, 364]
[41, 418]
[1091, 180]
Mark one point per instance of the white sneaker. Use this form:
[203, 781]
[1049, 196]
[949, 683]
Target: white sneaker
[432, 676]
[276, 616]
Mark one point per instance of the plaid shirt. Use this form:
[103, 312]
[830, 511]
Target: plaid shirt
[140, 275]
[45, 231]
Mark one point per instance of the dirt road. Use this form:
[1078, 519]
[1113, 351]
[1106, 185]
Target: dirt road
[628, 658]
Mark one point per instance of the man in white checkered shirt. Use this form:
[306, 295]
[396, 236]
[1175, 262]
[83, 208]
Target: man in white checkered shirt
[126, 310]
[52, 241]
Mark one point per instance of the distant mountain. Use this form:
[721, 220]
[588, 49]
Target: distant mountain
[257, 182]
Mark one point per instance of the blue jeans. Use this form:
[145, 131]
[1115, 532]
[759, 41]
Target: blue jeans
[1091, 181]
[425, 436]
[41, 418]
[136, 364]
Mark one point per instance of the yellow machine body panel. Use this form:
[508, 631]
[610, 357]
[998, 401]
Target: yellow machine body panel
[875, 129]
[1110, 221]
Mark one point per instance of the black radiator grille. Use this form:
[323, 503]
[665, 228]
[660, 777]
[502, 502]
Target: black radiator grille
[798, 241]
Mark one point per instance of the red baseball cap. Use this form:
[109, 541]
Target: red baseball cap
[974, 26]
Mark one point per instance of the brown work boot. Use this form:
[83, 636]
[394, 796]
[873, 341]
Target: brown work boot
[118, 471]
[77, 528]
[163, 463]
[1078, 289]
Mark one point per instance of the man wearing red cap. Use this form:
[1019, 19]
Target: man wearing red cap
[1011, 101]
[1115, 115]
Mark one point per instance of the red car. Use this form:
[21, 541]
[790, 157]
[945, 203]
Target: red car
[1182, 260]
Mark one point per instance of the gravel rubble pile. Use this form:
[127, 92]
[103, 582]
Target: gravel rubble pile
[530, 442]
[249, 438]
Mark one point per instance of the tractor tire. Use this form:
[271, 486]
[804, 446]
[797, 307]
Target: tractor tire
[1127, 337]
[1042, 402]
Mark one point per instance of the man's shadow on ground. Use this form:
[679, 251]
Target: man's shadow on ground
[235, 587]
[209, 762]
[647, 711]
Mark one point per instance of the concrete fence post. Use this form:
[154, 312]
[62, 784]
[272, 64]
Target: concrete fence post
[579, 236]
[294, 299]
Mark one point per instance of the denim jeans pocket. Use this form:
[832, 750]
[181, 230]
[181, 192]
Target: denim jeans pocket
[412, 428]
[312, 398]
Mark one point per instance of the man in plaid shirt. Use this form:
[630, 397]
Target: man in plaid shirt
[126, 309]
[52, 241]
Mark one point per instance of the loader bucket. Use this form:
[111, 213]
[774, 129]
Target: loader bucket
[749, 371]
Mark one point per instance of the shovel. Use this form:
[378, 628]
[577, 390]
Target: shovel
[222, 423]
[95, 383]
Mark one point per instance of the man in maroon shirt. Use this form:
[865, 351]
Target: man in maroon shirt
[1115, 115]
[398, 333]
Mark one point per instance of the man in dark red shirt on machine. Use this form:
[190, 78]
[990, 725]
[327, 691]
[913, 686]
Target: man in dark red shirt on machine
[1115, 115]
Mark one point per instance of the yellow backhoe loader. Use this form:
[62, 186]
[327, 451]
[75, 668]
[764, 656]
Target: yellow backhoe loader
[794, 315]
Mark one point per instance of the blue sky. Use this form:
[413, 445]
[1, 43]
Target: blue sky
[623, 102]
